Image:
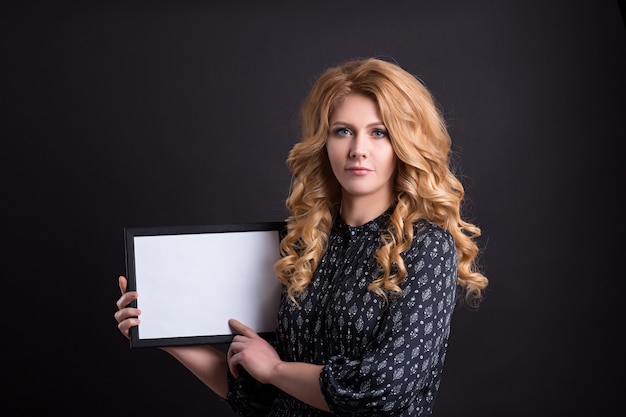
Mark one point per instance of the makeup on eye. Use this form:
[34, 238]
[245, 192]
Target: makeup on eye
[377, 130]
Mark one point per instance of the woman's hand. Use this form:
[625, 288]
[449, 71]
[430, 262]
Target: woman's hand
[261, 361]
[252, 352]
[125, 316]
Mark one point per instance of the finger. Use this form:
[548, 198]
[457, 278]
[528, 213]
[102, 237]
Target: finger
[232, 359]
[240, 328]
[125, 326]
[126, 313]
[123, 283]
[126, 299]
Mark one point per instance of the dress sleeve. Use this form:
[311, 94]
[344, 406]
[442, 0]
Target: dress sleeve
[248, 397]
[404, 359]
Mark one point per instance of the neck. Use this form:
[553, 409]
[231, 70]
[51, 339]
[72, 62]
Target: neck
[358, 211]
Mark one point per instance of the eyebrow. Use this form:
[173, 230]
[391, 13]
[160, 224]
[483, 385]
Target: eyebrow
[340, 123]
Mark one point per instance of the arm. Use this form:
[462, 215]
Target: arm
[400, 366]
[205, 362]
[300, 380]
[252, 352]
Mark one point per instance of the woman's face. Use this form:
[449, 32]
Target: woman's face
[360, 152]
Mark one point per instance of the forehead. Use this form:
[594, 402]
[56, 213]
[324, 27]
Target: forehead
[356, 107]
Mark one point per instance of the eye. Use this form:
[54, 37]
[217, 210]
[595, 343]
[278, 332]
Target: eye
[342, 131]
[379, 133]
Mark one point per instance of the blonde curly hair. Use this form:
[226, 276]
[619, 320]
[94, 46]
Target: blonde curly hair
[425, 187]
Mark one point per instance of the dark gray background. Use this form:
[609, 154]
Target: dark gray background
[159, 114]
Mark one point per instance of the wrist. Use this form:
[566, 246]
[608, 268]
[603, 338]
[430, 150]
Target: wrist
[277, 373]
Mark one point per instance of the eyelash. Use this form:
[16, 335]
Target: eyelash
[341, 132]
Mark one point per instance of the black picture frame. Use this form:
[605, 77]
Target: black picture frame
[191, 279]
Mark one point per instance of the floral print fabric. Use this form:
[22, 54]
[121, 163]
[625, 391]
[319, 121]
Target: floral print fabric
[379, 359]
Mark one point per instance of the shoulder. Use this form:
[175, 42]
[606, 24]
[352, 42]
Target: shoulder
[431, 241]
[427, 233]
[432, 258]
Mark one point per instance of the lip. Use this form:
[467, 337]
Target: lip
[357, 170]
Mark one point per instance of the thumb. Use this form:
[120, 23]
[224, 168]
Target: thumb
[122, 282]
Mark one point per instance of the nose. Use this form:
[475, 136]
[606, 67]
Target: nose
[356, 154]
[357, 148]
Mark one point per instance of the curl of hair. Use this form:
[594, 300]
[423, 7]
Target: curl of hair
[425, 186]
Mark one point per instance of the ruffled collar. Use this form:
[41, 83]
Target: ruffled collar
[375, 225]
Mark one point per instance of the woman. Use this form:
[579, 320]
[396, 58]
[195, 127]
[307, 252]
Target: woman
[375, 255]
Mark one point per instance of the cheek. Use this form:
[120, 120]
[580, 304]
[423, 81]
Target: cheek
[335, 155]
[387, 158]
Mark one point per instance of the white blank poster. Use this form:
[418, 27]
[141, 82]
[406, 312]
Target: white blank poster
[191, 284]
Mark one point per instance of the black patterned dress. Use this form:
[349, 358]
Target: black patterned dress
[378, 360]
